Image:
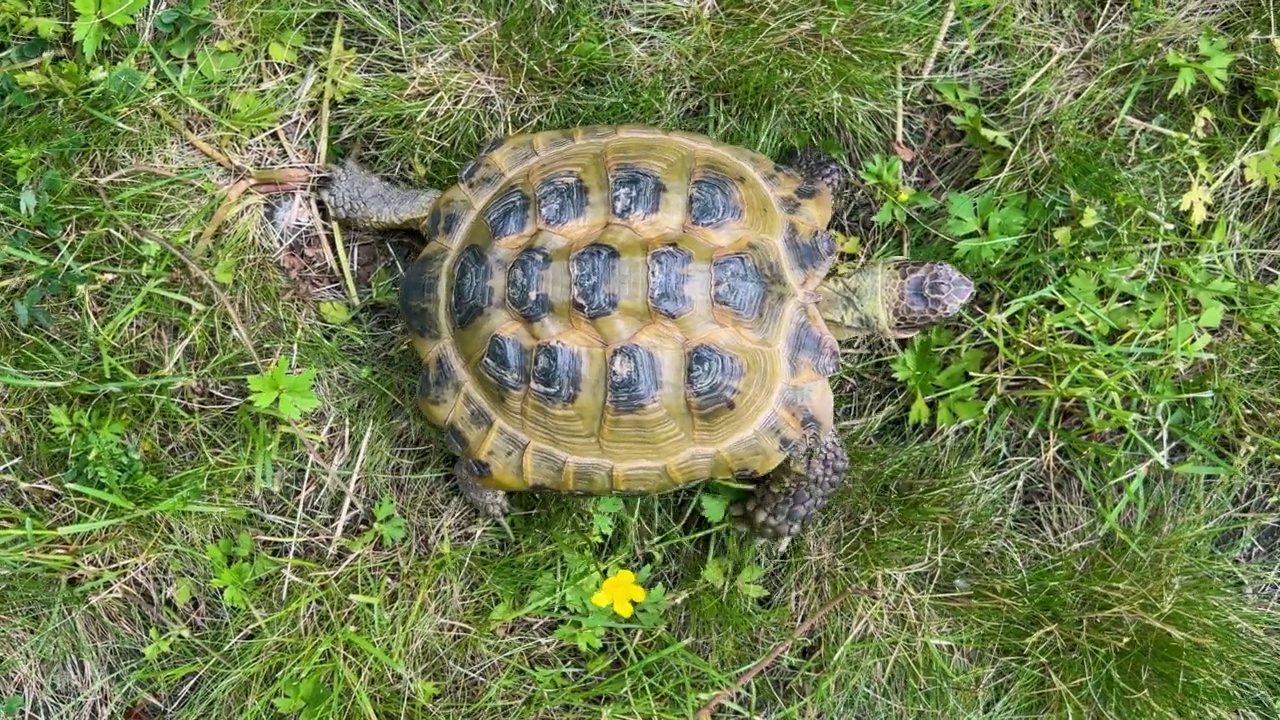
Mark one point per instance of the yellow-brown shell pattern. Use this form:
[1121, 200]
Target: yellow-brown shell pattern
[622, 310]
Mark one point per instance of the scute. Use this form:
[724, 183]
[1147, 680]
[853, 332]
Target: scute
[621, 309]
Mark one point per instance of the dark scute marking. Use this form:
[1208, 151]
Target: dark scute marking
[494, 144]
[419, 293]
[455, 440]
[789, 445]
[635, 191]
[433, 223]
[807, 190]
[712, 377]
[471, 290]
[525, 293]
[790, 205]
[738, 285]
[469, 171]
[440, 223]
[668, 279]
[808, 252]
[477, 415]
[438, 380]
[744, 474]
[633, 378]
[506, 362]
[811, 348]
[713, 199]
[557, 373]
[593, 269]
[508, 214]
[562, 198]
[479, 469]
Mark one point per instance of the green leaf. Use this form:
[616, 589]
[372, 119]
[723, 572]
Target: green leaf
[602, 512]
[1195, 202]
[27, 201]
[427, 690]
[884, 215]
[292, 392]
[393, 530]
[281, 53]
[919, 413]
[212, 63]
[714, 572]
[1186, 80]
[45, 28]
[335, 312]
[88, 32]
[713, 506]
[962, 218]
[1089, 218]
[746, 582]
[225, 271]
[1211, 317]
[121, 12]
[183, 592]
[1263, 167]
[385, 508]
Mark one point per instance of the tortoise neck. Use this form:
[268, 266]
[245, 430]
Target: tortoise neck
[853, 304]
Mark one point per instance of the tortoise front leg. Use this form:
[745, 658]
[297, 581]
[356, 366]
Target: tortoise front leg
[789, 497]
[491, 503]
[362, 199]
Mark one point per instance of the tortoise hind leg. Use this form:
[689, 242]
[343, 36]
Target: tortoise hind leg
[793, 494]
[491, 503]
[362, 199]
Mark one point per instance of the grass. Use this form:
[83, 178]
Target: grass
[1063, 504]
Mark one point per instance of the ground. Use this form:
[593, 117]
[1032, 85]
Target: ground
[217, 498]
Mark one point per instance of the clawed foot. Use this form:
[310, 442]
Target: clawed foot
[795, 493]
[492, 504]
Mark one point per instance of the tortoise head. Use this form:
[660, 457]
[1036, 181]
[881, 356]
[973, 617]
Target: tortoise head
[896, 298]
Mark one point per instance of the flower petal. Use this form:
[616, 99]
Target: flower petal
[634, 593]
[622, 607]
[601, 599]
[625, 577]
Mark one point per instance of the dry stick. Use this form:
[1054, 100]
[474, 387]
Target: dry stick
[201, 145]
[937, 41]
[321, 152]
[780, 648]
[351, 488]
[220, 215]
[327, 97]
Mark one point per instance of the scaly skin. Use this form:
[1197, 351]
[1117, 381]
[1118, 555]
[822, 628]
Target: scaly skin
[361, 199]
[493, 504]
[796, 492]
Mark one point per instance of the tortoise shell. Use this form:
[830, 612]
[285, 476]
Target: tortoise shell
[610, 310]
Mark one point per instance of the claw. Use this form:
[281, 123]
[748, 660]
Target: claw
[507, 527]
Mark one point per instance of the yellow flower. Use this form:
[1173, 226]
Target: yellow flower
[621, 590]
[904, 195]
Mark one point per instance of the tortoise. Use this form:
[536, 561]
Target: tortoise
[628, 309]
